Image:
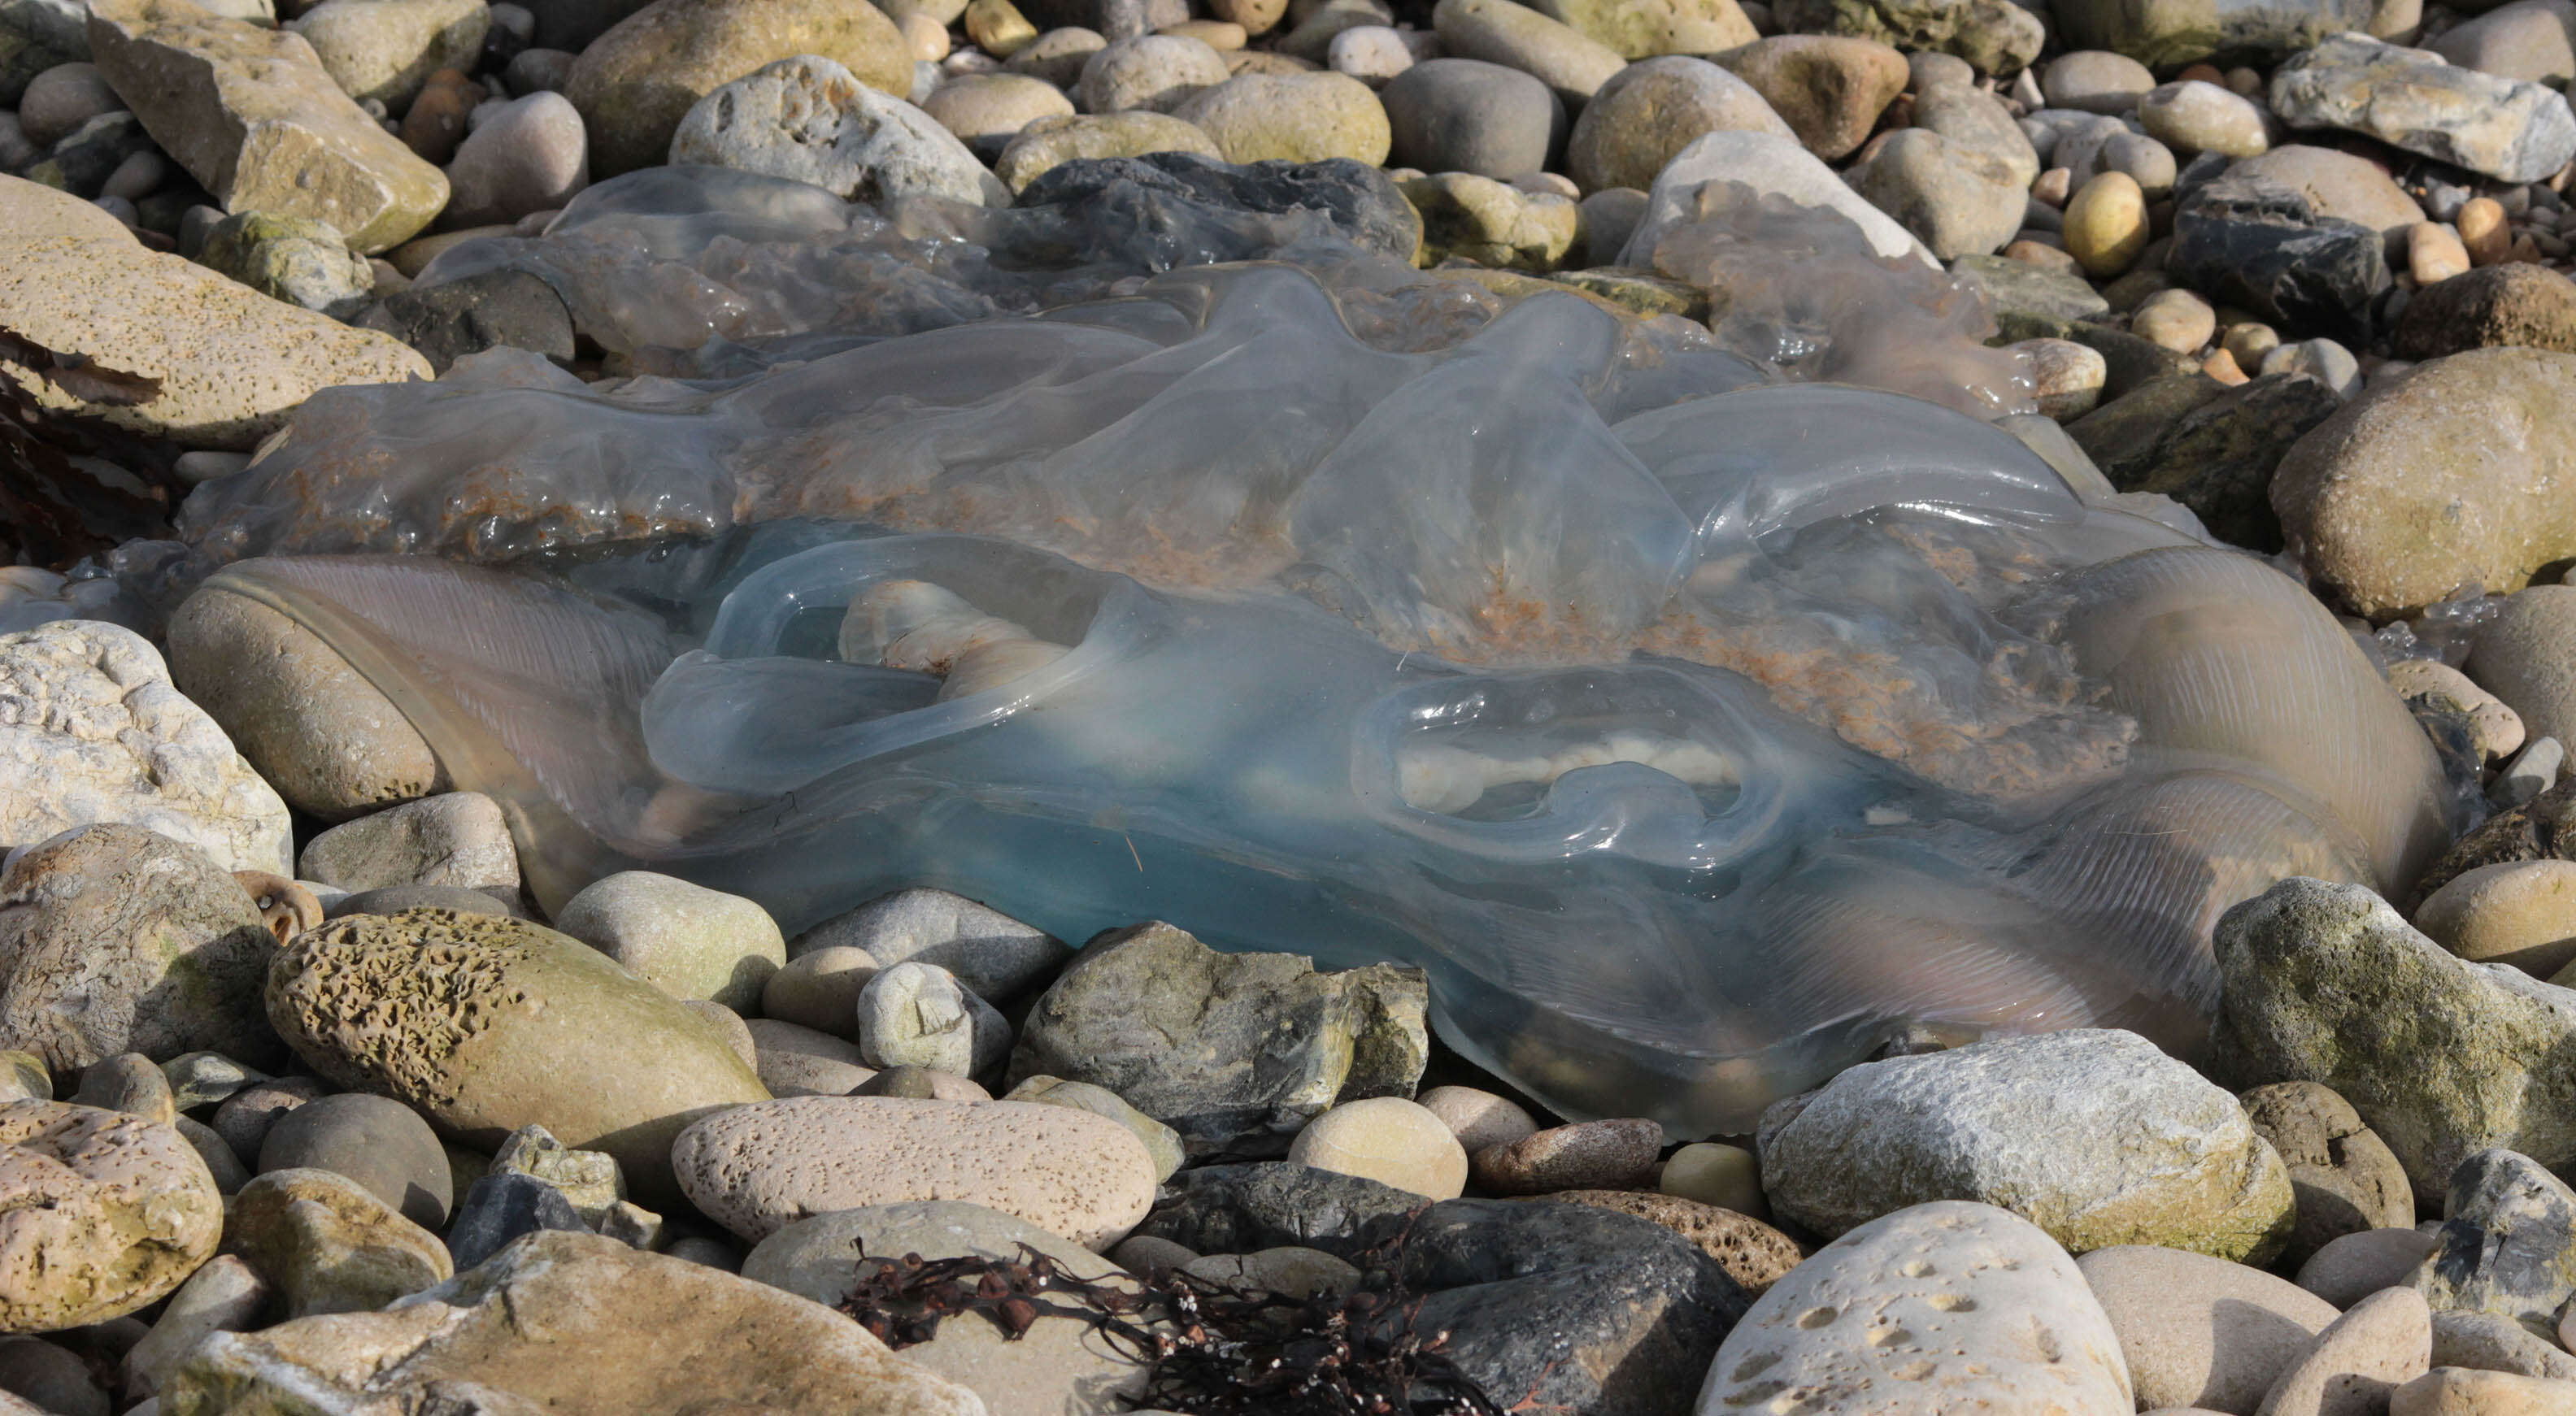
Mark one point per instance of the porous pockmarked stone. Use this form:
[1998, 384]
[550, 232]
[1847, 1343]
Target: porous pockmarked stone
[1949, 1306]
[487, 1025]
[253, 115]
[1161, 1141]
[1754, 1254]
[2094, 1135]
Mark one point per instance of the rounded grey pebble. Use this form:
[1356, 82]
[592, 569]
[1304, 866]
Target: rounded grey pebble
[535, 70]
[243, 1120]
[376, 1141]
[1465, 115]
[55, 1380]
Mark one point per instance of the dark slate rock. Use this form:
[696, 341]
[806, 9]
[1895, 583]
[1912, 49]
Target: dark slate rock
[2260, 246]
[500, 1208]
[2128, 361]
[82, 159]
[2121, 435]
[2218, 458]
[1564, 1307]
[2518, 303]
[497, 307]
[1236, 1209]
[1465, 115]
[374, 1140]
[1152, 197]
[2508, 1241]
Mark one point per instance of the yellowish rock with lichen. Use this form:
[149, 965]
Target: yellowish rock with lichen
[101, 1213]
[1482, 220]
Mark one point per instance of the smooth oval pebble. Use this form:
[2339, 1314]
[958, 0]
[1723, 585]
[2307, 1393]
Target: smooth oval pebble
[2106, 224]
[1389, 1140]
[1589, 1155]
[2385, 1341]
[1478, 1118]
[2344, 1271]
[376, 1141]
[756, 1168]
[2201, 1331]
[1713, 1173]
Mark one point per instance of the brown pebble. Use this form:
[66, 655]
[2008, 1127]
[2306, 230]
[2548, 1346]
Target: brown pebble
[2483, 230]
[2221, 365]
[436, 122]
[2206, 73]
[1589, 1155]
[1754, 1254]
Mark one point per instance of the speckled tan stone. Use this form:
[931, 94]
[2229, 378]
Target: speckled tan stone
[1589, 1155]
[232, 362]
[754, 1169]
[101, 1213]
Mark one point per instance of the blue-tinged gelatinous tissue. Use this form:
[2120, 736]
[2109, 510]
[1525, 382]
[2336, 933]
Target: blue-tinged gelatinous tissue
[1699, 728]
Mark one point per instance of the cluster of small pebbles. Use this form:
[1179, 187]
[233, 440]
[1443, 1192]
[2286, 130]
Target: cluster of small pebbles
[307, 1106]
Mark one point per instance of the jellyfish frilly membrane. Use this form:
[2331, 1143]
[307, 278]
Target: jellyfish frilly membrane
[1699, 717]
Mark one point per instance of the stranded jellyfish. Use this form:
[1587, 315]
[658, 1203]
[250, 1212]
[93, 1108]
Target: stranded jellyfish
[1699, 724]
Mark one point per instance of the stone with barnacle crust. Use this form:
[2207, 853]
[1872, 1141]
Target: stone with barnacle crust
[489, 1024]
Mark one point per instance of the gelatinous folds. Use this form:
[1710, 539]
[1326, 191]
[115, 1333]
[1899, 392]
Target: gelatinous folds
[1698, 730]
